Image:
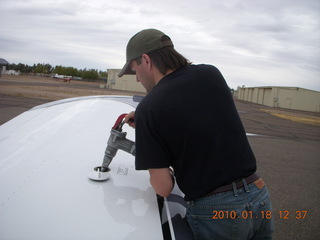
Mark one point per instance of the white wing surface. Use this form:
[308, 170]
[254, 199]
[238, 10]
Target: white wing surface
[46, 155]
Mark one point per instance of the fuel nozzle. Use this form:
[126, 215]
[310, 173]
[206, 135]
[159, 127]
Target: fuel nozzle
[117, 140]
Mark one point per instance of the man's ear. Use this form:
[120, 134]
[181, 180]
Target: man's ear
[147, 60]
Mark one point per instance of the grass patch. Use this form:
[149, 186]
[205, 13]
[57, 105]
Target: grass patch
[311, 120]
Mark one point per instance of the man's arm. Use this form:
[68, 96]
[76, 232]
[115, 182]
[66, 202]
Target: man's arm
[162, 181]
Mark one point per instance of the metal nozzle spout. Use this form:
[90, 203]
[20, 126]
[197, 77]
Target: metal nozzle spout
[117, 140]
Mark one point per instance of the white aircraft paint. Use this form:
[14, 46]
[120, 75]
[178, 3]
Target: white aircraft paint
[46, 154]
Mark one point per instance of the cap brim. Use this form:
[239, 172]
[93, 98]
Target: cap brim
[126, 70]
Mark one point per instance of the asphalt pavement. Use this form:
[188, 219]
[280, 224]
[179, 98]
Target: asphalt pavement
[288, 158]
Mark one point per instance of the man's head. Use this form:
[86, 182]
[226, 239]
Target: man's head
[151, 56]
[145, 41]
[158, 46]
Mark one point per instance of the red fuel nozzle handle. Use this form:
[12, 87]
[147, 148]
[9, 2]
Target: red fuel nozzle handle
[119, 123]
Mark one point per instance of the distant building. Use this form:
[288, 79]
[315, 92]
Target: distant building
[282, 97]
[125, 83]
[4, 71]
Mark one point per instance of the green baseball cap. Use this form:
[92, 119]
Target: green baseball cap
[145, 41]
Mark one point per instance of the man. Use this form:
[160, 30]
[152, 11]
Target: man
[188, 122]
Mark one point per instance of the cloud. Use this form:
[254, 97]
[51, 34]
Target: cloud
[253, 43]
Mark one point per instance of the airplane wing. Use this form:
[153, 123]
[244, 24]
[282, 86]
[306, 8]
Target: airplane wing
[46, 155]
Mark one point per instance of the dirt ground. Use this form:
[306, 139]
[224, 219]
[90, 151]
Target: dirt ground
[287, 147]
[20, 93]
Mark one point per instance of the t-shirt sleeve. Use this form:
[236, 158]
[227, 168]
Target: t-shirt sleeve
[151, 151]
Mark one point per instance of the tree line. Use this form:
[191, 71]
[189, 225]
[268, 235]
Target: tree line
[47, 69]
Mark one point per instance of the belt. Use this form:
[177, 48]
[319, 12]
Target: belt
[238, 183]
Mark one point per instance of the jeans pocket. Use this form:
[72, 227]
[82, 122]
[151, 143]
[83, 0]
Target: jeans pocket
[224, 216]
[263, 226]
[215, 223]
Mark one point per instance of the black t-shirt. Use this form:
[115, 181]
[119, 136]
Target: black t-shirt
[189, 121]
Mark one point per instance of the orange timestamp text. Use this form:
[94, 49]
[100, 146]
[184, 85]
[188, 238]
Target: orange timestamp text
[300, 214]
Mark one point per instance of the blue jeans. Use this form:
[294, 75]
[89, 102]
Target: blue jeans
[240, 214]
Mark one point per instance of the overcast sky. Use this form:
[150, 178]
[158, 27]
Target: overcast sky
[252, 42]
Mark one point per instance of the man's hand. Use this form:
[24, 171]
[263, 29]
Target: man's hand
[129, 119]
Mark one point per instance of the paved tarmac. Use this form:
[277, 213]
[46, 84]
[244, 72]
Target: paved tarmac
[288, 157]
[12, 106]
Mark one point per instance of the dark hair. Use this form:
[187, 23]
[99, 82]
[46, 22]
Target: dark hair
[166, 58]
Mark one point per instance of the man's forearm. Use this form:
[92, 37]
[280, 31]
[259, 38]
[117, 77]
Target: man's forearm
[162, 181]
